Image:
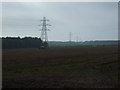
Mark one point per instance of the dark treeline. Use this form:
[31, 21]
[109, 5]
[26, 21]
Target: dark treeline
[34, 42]
[17, 42]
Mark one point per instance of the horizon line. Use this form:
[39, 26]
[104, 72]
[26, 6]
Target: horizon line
[62, 40]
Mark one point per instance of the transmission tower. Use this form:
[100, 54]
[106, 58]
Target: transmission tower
[77, 39]
[70, 37]
[44, 30]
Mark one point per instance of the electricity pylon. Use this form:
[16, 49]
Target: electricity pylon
[44, 30]
[70, 37]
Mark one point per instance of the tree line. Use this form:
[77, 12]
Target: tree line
[17, 42]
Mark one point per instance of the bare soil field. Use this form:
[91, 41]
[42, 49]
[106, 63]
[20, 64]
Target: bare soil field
[65, 67]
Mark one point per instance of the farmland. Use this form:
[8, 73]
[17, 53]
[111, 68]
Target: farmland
[64, 67]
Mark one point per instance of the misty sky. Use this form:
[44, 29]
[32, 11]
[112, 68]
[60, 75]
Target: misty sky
[87, 20]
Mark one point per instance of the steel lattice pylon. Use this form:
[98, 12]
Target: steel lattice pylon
[44, 30]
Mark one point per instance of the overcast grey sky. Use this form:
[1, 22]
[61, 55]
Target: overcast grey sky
[87, 20]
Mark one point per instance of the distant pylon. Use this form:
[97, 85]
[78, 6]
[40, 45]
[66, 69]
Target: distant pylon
[44, 30]
[70, 36]
[77, 39]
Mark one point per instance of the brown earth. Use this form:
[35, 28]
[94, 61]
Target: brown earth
[67, 67]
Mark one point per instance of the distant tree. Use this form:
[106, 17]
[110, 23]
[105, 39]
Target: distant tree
[17, 42]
